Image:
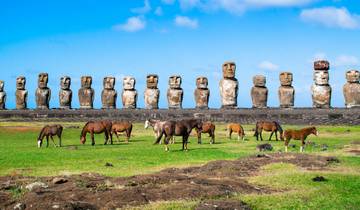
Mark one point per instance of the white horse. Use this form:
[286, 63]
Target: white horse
[157, 128]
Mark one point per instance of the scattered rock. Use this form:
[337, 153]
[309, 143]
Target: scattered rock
[292, 145]
[56, 206]
[109, 165]
[20, 206]
[59, 180]
[319, 179]
[324, 147]
[36, 185]
[222, 205]
[332, 160]
[264, 147]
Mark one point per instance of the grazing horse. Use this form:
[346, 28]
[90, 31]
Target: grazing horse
[236, 127]
[178, 128]
[207, 127]
[118, 127]
[50, 130]
[270, 126]
[299, 135]
[96, 127]
[157, 128]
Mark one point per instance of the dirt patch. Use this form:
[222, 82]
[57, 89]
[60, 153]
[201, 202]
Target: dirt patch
[92, 191]
[20, 129]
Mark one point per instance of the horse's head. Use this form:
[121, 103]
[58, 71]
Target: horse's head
[82, 139]
[199, 124]
[314, 131]
[147, 124]
[39, 143]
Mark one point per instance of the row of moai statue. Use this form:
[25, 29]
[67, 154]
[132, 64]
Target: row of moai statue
[321, 91]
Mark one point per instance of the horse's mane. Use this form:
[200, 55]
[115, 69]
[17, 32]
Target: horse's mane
[83, 130]
[42, 131]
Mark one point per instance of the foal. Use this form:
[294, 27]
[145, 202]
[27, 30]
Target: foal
[299, 135]
[50, 130]
[270, 126]
[236, 127]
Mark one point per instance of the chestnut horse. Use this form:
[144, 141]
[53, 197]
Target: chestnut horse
[270, 126]
[50, 130]
[235, 127]
[118, 127]
[299, 135]
[178, 128]
[96, 127]
[207, 127]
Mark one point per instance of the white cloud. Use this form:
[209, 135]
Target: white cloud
[276, 3]
[142, 10]
[168, 1]
[331, 17]
[158, 11]
[184, 21]
[346, 60]
[132, 24]
[267, 65]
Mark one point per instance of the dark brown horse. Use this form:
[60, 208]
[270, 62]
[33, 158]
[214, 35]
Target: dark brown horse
[235, 127]
[97, 127]
[270, 126]
[50, 131]
[299, 135]
[178, 128]
[207, 127]
[118, 127]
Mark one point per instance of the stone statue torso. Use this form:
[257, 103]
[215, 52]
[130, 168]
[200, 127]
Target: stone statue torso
[151, 97]
[321, 95]
[43, 97]
[129, 98]
[228, 92]
[286, 96]
[86, 97]
[352, 94]
[175, 97]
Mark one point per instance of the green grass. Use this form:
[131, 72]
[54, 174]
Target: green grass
[19, 155]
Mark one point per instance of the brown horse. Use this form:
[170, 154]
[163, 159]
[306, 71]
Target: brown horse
[207, 127]
[178, 128]
[118, 127]
[235, 127]
[270, 126]
[97, 127]
[299, 135]
[50, 130]
[157, 128]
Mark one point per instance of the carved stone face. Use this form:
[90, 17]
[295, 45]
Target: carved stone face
[109, 83]
[86, 81]
[43, 80]
[65, 82]
[152, 81]
[20, 83]
[228, 69]
[286, 78]
[175, 81]
[353, 76]
[321, 65]
[1, 86]
[201, 82]
[129, 83]
[259, 81]
[321, 77]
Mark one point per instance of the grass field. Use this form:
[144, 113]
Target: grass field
[19, 155]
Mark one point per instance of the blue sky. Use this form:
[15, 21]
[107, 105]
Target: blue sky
[186, 37]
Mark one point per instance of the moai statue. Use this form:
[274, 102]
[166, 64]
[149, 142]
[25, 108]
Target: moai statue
[352, 89]
[175, 92]
[43, 93]
[202, 93]
[86, 93]
[109, 94]
[129, 94]
[65, 93]
[2, 95]
[21, 93]
[228, 86]
[321, 90]
[286, 90]
[151, 93]
[259, 93]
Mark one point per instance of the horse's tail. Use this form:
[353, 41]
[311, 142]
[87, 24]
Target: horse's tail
[256, 129]
[242, 132]
[279, 128]
[158, 139]
[60, 130]
[41, 134]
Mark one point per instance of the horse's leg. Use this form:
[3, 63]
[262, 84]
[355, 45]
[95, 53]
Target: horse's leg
[276, 136]
[59, 135]
[272, 132]
[185, 139]
[287, 140]
[166, 142]
[92, 138]
[198, 136]
[261, 138]
[230, 132]
[212, 137]
[106, 137]
[238, 135]
[110, 134]
[302, 145]
[52, 139]
[127, 135]
[47, 141]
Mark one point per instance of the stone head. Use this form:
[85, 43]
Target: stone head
[86, 81]
[228, 69]
[321, 77]
[1, 86]
[201, 82]
[259, 81]
[43, 80]
[129, 83]
[321, 65]
[20, 83]
[152, 81]
[286, 78]
[65, 82]
[175, 81]
[353, 76]
[109, 83]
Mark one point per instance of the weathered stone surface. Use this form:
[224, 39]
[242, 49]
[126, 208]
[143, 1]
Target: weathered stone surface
[109, 94]
[321, 90]
[175, 92]
[43, 93]
[202, 93]
[286, 90]
[86, 94]
[321, 65]
[228, 86]
[65, 93]
[21, 93]
[152, 93]
[36, 185]
[259, 93]
[352, 89]
[129, 94]
[2, 95]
